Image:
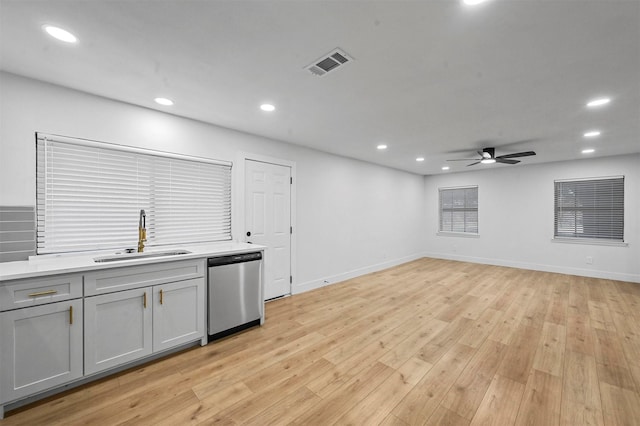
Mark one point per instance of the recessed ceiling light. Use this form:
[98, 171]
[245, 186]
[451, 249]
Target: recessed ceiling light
[420, 159]
[267, 107]
[164, 101]
[60, 34]
[445, 168]
[598, 102]
[473, 2]
[488, 160]
[592, 134]
[381, 147]
[588, 151]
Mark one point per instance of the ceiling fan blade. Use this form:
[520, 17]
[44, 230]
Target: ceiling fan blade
[473, 164]
[464, 159]
[504, 161]
[517, 154]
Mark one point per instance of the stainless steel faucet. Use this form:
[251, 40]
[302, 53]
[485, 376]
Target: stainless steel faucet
[142, 231]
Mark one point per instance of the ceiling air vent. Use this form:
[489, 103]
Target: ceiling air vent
[329, 62]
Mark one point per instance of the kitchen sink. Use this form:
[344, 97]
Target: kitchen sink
[134, 256]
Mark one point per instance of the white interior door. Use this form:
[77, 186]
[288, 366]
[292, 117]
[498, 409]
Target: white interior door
[268, 221]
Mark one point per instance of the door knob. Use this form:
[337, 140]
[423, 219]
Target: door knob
[248, 233]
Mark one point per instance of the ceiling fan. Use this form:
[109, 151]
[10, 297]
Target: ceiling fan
[488, 156]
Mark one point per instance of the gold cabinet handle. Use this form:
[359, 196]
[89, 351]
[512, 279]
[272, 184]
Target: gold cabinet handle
[42, 293]
[161, 297]
[71, 315]
[144, 300]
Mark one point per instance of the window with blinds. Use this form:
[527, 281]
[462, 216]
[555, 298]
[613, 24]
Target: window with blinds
[459, 210]
[89, 196]
[590, 209]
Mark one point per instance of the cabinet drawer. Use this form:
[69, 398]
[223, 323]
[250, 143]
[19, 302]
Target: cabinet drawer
[38, 291]
[130, 277]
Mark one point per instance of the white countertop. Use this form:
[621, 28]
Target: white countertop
[67, 263]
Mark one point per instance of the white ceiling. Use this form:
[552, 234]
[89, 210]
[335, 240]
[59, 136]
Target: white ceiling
[429, 78]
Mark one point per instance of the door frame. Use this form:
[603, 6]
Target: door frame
[238, 230]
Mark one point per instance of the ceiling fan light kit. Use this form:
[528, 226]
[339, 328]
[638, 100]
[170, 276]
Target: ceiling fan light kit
[488, 156]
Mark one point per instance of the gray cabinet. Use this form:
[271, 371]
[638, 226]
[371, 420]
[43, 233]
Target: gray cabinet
[117, 328]
[41, 348]
[124, 326]
[135, 311]
[57, 329]
[178, 313]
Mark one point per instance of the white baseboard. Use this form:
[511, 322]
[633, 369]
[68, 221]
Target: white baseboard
[608, 275]
[312, 285]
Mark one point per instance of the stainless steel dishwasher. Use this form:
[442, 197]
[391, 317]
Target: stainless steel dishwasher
[235, 293]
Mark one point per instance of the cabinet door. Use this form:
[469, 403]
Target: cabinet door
[41, 348]
[117, 328]
[178, 313]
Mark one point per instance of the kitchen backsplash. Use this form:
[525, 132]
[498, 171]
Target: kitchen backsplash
[17, 233]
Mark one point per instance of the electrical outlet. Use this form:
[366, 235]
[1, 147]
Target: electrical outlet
[589, 260]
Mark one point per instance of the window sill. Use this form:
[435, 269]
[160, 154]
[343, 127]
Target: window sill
[458, 234]
[588, 241]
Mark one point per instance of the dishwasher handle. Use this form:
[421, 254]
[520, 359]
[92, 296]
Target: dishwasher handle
[234, 258]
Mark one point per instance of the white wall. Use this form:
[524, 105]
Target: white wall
[352, 217]
[516, 219]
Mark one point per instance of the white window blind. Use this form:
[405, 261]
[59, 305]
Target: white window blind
[459, 210]
[89, 196]
[590, 208]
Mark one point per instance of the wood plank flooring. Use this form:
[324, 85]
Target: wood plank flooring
[430, 342]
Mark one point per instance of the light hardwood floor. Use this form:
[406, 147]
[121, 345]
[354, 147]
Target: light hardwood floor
[428, 342]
